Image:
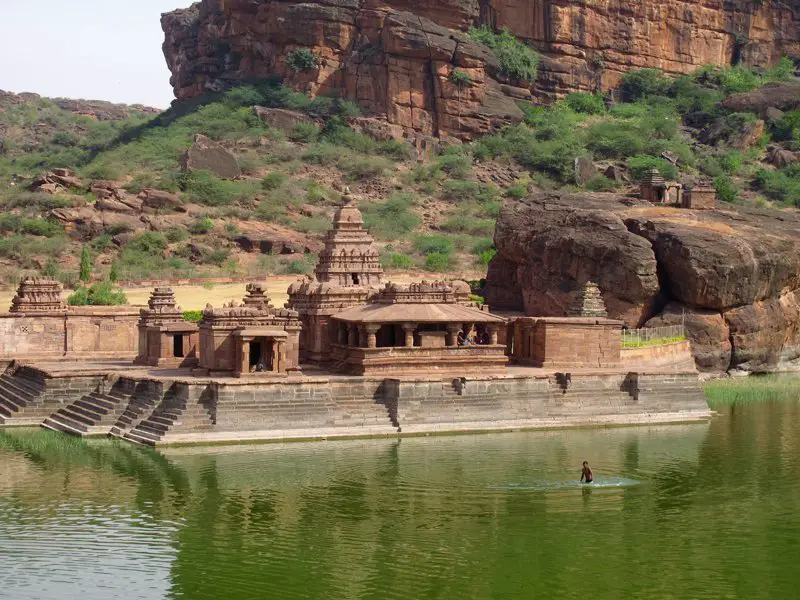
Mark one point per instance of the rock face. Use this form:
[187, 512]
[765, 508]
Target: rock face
[731, 276]
[395, 57]
[207, 155]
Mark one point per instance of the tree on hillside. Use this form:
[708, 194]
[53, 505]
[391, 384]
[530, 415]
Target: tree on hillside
[86, 265]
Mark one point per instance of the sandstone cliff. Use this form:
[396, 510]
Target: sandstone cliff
[733, 275]
[395, 57]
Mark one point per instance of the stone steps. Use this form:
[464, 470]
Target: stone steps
[18, 397]
[92, 414]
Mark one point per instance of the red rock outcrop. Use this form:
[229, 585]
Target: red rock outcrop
[395, 56]
[732, 276]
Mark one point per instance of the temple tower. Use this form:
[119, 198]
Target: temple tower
[349, 258]
[37, 294]
[588, 302]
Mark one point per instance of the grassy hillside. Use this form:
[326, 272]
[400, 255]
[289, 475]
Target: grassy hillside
[434, 213]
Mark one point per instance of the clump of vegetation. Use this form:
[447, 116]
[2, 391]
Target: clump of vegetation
[193, 316]
[753, 389]
[460, 78]
[517, 59]
[302, 59]
[99, 294]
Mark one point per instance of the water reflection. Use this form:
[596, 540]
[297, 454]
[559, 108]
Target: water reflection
[699, 511]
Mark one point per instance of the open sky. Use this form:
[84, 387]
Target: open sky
[90, 49]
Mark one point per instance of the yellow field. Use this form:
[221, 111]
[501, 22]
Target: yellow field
[195, 297]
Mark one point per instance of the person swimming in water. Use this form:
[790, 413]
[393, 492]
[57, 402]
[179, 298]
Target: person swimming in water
[586, 474]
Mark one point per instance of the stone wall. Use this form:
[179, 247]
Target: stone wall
[77, 333]
[561, 343]
[676, 353]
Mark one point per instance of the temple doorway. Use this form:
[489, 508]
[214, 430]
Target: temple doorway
[261, 356]
[356, 279]
[177, 346]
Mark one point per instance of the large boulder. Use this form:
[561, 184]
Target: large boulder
[732, 276]
[707, 330]
[281, 118]
[558, 243]
[766, 334]
[783, 96]
[207, 155]
[159, 199]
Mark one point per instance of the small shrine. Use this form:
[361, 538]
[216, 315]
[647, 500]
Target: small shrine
[165, 338]
[419, 328]
[700, 197]
[654, 188]
[37, 294]
[585, 338]
[249, 339]
[348, 268]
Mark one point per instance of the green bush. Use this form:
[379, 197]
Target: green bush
[304, 132]
[396, 261]
[202, 226]
[193, 316]
[455, 164]
[392, 219]
[590, 104]
[727, 191]
[460, 191]
[615, 139]
[599, 183]
[149, 242]
[438, 262]
[176, 234]
[459, 78]
[642, 83]
[731, 80]
[788, 128]
[203, 187]
[516, 58]
[273, 180]
[433, 244]
[781, 185]
[100, 294]
[640, 165]
[301, 59]
[518, 190]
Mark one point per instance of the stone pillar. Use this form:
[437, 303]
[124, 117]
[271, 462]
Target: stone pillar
[452, 334]
[370, 331]
[352, 335]
[493, 329]
[408, 330]
[244, 356]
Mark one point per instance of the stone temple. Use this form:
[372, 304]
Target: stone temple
[349, 354]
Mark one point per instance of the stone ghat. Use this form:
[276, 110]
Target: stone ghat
[151, 411]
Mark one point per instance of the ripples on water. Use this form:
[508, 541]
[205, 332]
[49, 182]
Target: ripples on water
[696, 511]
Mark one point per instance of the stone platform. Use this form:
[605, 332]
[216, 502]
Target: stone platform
[171, 406]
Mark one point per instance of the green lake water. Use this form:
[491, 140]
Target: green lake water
[706, 510]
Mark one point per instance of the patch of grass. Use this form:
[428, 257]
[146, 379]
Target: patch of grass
[633, 343]
[439, 262]
[751, 390]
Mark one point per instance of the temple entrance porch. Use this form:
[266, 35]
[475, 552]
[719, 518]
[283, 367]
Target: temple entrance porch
[260, 352]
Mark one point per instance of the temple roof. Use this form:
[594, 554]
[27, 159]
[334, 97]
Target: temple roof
[416, 313]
